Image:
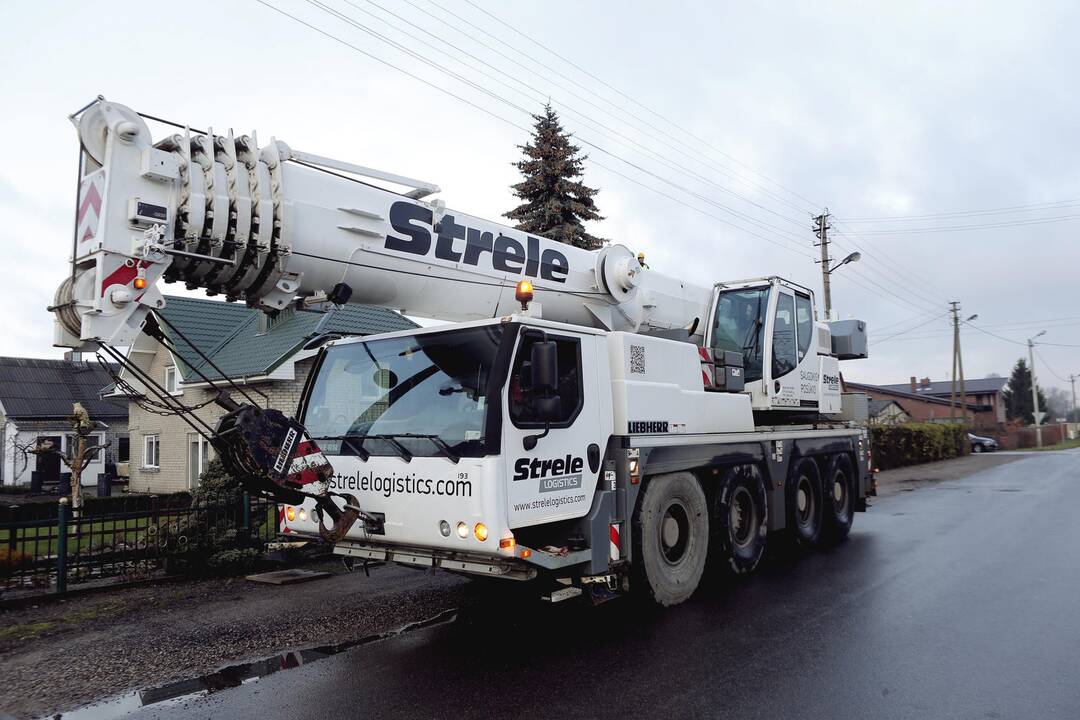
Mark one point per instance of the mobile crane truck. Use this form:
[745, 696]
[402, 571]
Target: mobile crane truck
[582, 418]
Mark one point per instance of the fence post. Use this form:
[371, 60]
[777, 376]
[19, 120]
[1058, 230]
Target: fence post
[245, 501]
[61, 546]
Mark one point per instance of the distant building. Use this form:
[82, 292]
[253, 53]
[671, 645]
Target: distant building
[262, 355]
[924, 407]
[36, 398]
[887, 412]
[984, 392]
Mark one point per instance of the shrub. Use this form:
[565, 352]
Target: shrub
[913, 443]
[12, 560]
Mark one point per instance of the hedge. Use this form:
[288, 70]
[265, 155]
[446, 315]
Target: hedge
[913, 443]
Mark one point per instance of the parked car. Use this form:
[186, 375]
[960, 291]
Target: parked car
[982, 444]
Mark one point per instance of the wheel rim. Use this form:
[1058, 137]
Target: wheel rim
[674, 533]
[840, 490]
[805, 502]
[742, 518]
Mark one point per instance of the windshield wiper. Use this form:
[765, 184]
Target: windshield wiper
[391, 439]
[437, 442]
[348, 440]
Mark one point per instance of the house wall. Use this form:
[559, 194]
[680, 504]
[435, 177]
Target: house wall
[17, 469]
[174, 434]
[925, 411]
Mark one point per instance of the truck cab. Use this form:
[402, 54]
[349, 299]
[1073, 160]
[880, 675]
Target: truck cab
[788, 364]
[459, 439]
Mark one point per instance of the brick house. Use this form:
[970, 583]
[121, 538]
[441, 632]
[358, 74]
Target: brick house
[36, 398]
[984, 392]
[262, 355]
[925, 407]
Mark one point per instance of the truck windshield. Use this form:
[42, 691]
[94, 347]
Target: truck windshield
[739, 326]
[421, 395]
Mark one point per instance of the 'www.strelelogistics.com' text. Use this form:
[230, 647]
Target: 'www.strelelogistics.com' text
[402, 485]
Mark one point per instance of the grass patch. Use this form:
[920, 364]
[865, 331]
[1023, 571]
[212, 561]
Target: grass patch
[19, 632]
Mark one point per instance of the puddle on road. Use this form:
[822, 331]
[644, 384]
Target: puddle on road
[182, 691]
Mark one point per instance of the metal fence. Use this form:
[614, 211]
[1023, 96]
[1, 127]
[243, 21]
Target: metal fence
[44, 547]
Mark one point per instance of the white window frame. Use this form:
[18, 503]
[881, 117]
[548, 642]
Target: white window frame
[204, 451]
[172, 381]
[97, 438]
[154, 439]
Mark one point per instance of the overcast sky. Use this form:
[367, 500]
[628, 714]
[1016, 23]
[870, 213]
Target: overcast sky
[757, 117]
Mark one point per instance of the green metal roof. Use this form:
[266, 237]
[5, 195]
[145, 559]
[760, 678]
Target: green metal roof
[231, 335]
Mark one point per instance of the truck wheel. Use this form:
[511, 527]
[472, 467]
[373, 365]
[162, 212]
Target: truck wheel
[671, 538]
[804, 503]
[740, 520]
[839, 487]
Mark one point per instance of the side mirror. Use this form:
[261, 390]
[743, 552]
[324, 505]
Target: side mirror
[544, 376]
[545, 368]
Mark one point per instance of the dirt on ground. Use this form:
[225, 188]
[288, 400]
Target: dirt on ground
[906, 479]
[61, 654]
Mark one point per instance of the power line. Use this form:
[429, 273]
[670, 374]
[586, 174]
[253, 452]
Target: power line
[809, 203]
[1047, 366]
[916, 327]
[584, 141]
[966, 228]
[1034, 207]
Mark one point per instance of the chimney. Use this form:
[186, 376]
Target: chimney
[73, 356]
[926, 382]
[913, 384]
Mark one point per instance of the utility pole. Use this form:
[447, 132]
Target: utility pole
[821, 230]
[1034, 392]
[1072, 382]
[955, 309]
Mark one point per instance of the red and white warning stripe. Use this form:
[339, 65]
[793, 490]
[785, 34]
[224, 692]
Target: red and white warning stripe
[615, 553]
[91, 191]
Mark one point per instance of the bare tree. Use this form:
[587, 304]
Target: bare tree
[20, 452]
[78, 457]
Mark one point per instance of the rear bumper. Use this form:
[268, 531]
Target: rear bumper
[471, 563]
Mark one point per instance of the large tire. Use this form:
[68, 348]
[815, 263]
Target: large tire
[805, 509]
[839, 488]
[671, 538]
[740, 520]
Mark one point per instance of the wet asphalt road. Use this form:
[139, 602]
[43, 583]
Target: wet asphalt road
[960, 600]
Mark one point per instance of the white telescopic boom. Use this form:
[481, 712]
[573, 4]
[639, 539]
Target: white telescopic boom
[269, 224]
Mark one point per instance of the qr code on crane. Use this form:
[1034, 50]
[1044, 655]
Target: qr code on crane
[637, 359]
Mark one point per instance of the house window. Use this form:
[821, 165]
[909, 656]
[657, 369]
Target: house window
[123, 449]
[71, 443]
[198, 458]
[151, 451]
[172, 381]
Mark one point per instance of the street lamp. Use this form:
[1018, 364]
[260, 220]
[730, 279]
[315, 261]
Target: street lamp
[853, 257]
[973, 317]
[1034, 387]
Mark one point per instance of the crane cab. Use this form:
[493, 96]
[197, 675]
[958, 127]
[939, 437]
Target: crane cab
[789, 366]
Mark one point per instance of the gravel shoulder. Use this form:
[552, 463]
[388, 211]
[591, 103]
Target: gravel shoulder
[906, 479]
[59, 655]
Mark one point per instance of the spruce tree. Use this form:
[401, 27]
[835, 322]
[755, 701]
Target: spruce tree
[556, 202]
[1017, 395]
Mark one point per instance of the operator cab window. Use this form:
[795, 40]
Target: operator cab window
[520, 394]
[739, 326]
[804, 320]
[784, 348]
